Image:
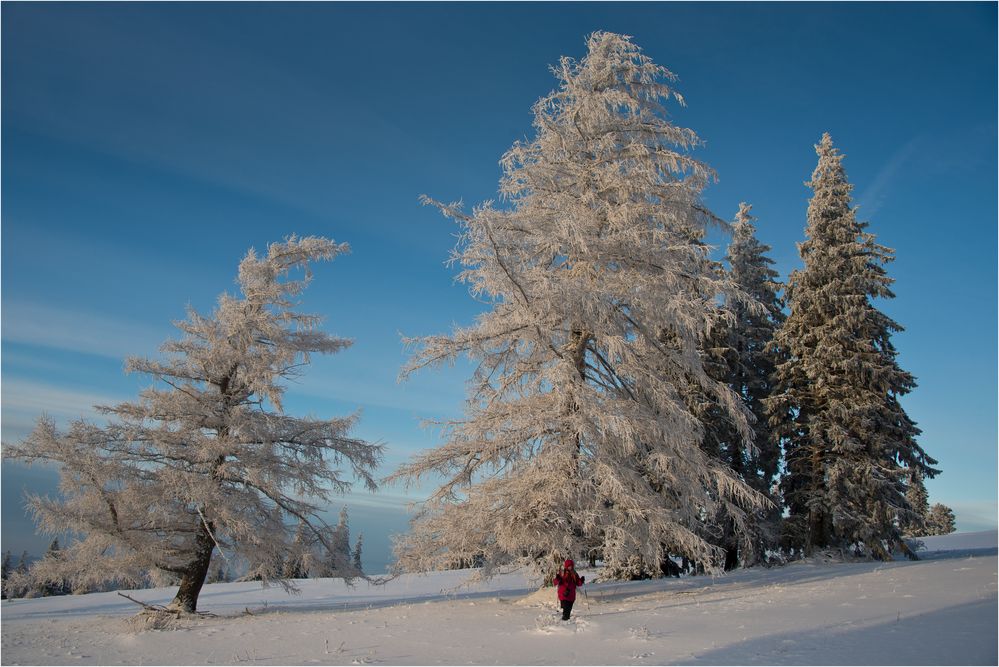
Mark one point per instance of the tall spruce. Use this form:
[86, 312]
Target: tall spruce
[752, 358]
[743, 357]
[849, 445]
[576, 438]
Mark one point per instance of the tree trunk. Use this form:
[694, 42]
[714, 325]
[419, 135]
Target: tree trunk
[731, 557]
[817, 537]
[193, 579]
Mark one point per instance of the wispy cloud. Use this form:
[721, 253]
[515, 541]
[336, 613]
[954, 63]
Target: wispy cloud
[78, 331]
[23, 401]
[876, 193]
[436, 394]
[973, 516]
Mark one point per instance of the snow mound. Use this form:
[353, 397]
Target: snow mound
[544, 597]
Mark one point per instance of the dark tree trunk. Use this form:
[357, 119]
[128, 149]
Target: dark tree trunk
[731, 557]
[193, 579]
[818, 536]
[669, 568]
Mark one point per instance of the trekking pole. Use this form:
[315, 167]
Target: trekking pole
[587, 599]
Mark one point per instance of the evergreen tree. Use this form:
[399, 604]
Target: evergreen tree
[918, 499]
[940, 520]
[341, 536]
[294, 562]
[738, 351]
[752, 365]
[18, 582]
[849, 445]
[54, 587]
[5, 573]
[337, 560]
[356, 556]
[576, 437]
[207, 459]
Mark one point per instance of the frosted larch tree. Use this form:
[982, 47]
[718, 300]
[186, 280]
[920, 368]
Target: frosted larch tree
[206, 458]
[576, 439]
[849, 445]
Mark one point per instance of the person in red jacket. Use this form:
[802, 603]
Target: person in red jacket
[567, 580]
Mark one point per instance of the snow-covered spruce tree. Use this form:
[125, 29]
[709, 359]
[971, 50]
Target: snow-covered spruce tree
[54, 587]
[849, 445]
[576, 438]
[335, 559]
[919, 503]
[5, 572]
[355, 556]
[940, 520]
[206, 458]
[749, 336]
[738, 352]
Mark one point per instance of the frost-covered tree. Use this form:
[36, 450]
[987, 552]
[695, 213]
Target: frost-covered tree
[206, 458]
[849, 444]
[5, 572]
[576, 437]
[751, 364]
[738, 351]
[17, 583]
[355, 557]
[295, 560]
[919, 503]
[54, 552]
[940, 520]
[341, 535]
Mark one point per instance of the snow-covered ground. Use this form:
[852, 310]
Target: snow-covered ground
[941, 610]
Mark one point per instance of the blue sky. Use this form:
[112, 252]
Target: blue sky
[146, 147]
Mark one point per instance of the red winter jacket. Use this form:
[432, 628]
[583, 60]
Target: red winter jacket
[567, 583]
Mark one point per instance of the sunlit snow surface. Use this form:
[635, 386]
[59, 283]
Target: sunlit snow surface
[940, 610]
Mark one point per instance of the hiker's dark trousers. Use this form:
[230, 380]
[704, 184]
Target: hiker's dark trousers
[566, 609]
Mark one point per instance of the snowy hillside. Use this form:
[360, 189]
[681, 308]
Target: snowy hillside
[941, 610]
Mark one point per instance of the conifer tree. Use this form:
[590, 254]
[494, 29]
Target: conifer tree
[5, 573]
[940, 520]
[54, 587]
[738, 351]
[918, 499]
[576, 436]
[749, 337]
[849, 445]
[295, 561]
[18, 582]
[341, 536]
[206, 459]
[356, 555]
